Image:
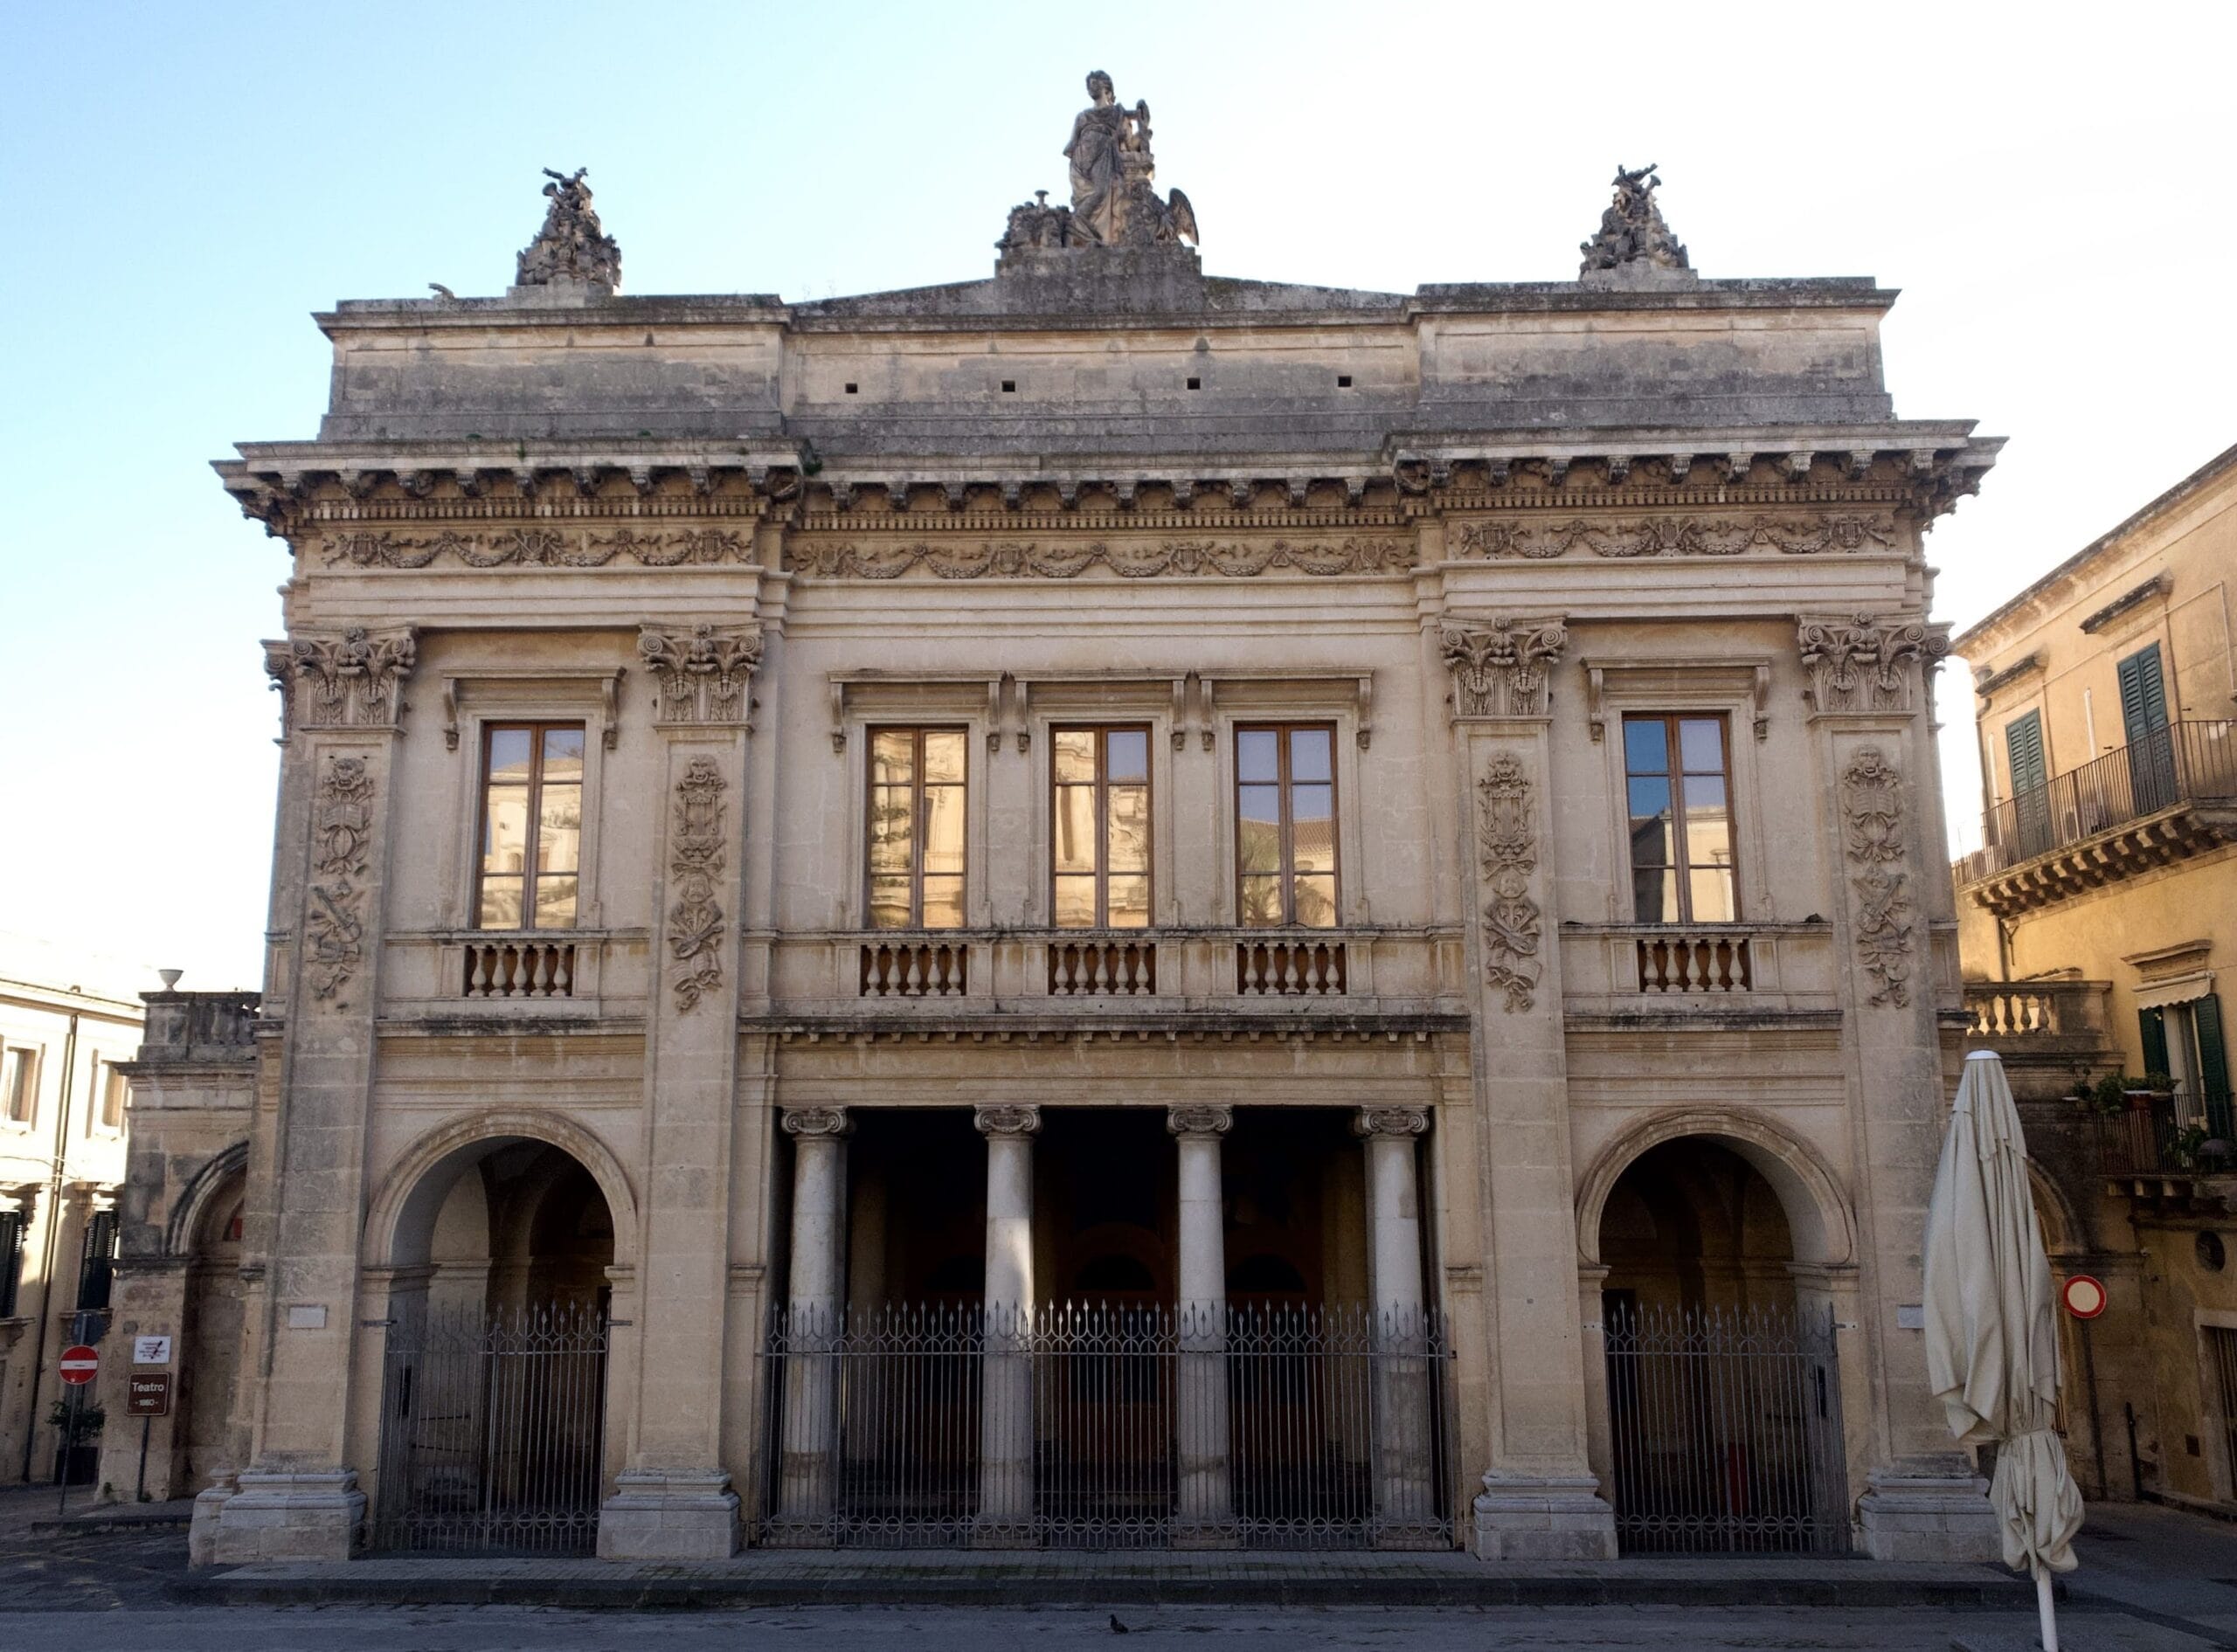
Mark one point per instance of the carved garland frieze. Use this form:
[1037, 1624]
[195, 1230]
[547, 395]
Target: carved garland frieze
[696, 859]
[334, 927]
[1129, 559]
[1871, 824]
[1861, 664]
[1498, 669]
[536, 547]
[1507, 848]
[1675, 536]
[701, 676]
[345, 681]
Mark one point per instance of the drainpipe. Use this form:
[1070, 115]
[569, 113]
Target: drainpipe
[53, 1234]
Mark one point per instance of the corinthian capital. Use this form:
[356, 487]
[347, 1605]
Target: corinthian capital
[704, 673]
[349, 680]
[1498, 669]
[1858, 663]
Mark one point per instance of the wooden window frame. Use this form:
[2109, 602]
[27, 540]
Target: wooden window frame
[537, 727]
[917, 731]
[1283, 783]
[1681, 864]
[1101, 786]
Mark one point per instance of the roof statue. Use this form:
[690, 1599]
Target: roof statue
[571, 247]
[1112, 172]
[1633, 241]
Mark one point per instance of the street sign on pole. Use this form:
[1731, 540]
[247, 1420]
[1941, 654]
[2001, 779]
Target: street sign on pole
[80, 1363]
[147, 1394]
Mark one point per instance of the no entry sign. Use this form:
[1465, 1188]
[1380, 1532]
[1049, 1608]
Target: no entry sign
[80, 1363]
[2085, 1297]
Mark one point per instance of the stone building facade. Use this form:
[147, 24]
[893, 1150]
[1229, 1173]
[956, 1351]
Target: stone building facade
[69, 1026]
[981, 911]
[2095, 926]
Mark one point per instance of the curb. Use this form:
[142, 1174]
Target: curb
[1990, 1593]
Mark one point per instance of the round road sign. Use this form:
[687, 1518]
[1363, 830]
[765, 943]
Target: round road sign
[2085, 1297]
[79, 1364]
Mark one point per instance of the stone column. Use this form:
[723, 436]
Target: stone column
[674, 1500]
[1540, 1499]
[1405, 1512]
[1006, 1502]
[1885, 873]
[343, 706]
[814, 1316]
[1207, 1514]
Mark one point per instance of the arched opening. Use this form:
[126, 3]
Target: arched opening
[212, 1332]
[1723, 1400]
[494, 1375]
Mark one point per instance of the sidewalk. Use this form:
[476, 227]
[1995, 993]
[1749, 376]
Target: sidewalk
[795, 1577]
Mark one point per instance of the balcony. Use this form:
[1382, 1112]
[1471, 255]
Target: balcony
[2166, 1140]
[1703, 973]
[2165, 798]
[2050, 1034]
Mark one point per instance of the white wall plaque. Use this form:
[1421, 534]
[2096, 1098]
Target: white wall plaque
[151, 1351]
[307, 1316]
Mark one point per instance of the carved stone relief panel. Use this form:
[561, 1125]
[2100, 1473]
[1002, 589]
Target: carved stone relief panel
[1130, 559]
[1861, 664]
[701, 676]
[697, 857]
[1507, 847]
[333, 925]
[1806, 534]
[346, 682]
[1498, 669]
[1872, 829]
[535, 547]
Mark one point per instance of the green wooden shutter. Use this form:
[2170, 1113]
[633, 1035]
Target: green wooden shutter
[2143, 693]
[2152, 1024]
[2023, 752]
[2214, 1063]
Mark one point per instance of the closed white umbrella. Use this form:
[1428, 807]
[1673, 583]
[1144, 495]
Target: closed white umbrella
[1992, 1330]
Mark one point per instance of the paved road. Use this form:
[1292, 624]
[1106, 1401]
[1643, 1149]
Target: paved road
[2155, 1581]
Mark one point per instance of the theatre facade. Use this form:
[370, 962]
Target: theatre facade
[1102, 907]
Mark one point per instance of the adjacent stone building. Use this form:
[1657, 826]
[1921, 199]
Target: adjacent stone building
[1103, 907]
[2095, 923]
[69, 1024]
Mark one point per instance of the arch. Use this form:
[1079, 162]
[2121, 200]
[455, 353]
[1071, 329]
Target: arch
[402, 1212]
[1817, 1210]
[2063, 1234]
[194, 1199]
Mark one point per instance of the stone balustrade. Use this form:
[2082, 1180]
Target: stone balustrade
[1627, 967]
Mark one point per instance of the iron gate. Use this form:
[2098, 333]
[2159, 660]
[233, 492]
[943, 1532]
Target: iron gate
[493, 1430]
[1726, 1431]
[1098, 1426]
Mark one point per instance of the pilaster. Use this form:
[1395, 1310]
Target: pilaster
[1541, 1497]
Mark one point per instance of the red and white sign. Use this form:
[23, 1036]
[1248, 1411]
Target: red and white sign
[2085, 1297]
[79, 1364]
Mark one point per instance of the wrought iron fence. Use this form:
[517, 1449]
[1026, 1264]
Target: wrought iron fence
[1726, 1431]
[2183, 762]
[2169, 1133]
[492, 1429]
[1106, 1426]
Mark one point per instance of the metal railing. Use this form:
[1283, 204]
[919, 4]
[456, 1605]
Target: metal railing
[2177, 1132]
[2182, 763]
[1106, 1426]
[492, 1429]
[1726, 1429]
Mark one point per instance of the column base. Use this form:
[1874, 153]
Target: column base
[309, 1515]
[1543, 1517]
[1929, 1512]
[209, 1509]
[655, 1515]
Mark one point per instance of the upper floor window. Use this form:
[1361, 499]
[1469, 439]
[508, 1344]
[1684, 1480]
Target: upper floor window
[532, 825]
[11, 1259]
[108, 1103]
[916, 828]
[1100, 820]
[1285, 825]
[19, 1085]
[97, 1260]
[1680, 802]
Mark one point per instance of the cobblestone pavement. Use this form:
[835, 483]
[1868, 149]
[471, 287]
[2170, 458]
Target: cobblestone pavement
[2153, 1580]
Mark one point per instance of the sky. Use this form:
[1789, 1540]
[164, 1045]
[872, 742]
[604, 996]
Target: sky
[181, 186]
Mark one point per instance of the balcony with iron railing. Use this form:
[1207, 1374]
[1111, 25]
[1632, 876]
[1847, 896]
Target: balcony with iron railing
[2160, 1137]
[2168, 796]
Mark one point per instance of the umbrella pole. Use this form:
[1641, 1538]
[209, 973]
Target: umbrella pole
[2044, 1614]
